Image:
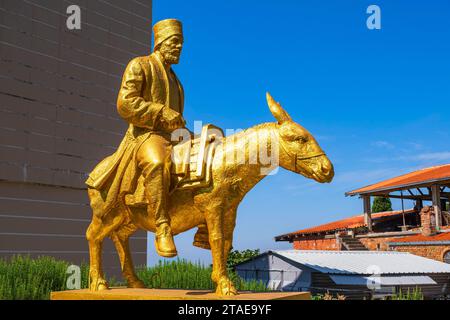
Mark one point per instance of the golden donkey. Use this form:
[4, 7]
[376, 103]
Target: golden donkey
[216, 205]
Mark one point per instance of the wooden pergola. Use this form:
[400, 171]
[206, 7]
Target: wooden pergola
[430, 184]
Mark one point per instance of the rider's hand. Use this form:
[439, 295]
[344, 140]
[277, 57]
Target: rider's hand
[171, 119]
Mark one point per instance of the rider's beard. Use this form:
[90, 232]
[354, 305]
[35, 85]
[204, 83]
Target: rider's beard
[171, 56]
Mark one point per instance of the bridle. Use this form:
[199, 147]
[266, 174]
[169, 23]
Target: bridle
[315, 155]
[297, 158]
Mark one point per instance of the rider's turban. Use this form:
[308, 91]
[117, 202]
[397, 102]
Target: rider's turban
[164, 29]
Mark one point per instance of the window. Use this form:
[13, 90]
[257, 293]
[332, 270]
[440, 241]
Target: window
[447, 257]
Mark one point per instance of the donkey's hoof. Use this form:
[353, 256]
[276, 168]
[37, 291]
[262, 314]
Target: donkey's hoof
[103, 286]
[137, 284]
[225, 287]
[99, 285]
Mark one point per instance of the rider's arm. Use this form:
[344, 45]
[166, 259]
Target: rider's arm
[130, 104]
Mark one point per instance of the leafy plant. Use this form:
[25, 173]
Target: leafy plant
[328, 296]
[381, 204]
[415, 294]
[23, 278]
[183, 274]
[235, 256]
[180, 274]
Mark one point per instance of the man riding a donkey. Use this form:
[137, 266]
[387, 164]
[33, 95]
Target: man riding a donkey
[151, 101]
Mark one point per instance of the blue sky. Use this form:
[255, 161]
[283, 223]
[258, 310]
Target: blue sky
[378, 101]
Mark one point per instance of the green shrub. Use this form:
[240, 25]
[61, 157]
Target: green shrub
[381, 204]
[23, 278]
[415, 294]
[236, 256]
[182, 274]
[328, 296]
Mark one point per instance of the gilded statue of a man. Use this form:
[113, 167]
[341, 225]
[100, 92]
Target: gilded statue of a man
[151, 100]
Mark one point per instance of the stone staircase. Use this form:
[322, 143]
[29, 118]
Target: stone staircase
[352, 244]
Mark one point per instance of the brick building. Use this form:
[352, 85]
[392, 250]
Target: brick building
[423, 230]
[58, 118]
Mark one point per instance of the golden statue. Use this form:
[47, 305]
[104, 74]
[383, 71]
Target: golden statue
[156, 183]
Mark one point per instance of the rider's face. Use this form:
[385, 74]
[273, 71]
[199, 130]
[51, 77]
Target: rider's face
[170, 49]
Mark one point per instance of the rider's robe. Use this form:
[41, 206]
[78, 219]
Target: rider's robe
[144, 92]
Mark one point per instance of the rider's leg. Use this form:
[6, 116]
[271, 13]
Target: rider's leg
[154, 160]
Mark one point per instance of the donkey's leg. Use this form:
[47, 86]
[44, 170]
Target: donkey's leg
[120, 239]
[215, 222]
[230, 223]
[95, 234]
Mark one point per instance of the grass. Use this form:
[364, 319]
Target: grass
[328, 296]
[24, 278]
[183, 274]
[415, 294]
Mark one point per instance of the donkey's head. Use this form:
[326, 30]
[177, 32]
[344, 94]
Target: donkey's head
[298, 150]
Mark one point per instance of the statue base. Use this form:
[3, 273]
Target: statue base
[122, 293]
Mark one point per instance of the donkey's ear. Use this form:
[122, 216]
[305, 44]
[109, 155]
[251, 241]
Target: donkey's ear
[278, 112]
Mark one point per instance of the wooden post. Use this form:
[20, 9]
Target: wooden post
[338, 241]
[443, 204]
[436, 196]
[419, 204]
[367, 213]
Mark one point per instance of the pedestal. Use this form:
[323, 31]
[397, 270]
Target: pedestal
[171, 294]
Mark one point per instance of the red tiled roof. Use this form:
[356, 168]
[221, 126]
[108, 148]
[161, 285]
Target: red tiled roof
[417, 177]
[344, 224]
[445, 236]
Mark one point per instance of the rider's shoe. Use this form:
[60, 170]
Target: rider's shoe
[164, 244]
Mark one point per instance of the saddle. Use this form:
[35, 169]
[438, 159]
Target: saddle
[191, 166]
